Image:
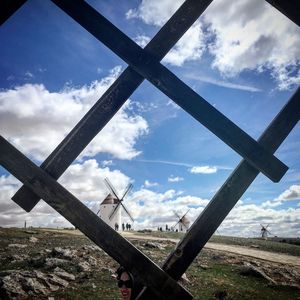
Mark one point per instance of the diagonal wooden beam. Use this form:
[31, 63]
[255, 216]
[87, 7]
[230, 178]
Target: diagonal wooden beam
[147, 66]
[162, 285]
[290, 8]
[105, 108]
[8, 8]
[231, 191]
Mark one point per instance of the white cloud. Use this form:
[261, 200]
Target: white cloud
[175, 179]
[153, 12]
[252, 35]
[142, 40]
[203, 170]
[150, 184]
[35, 120]
[28, 75]
[84, 180]
[150, 209]
[292, 193]
[223, 83]
[107, 163]
[245, 220]
[190, 47]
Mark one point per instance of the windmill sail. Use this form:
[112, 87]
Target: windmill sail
[119, 201]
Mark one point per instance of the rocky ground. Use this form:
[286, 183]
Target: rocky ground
[38, 264]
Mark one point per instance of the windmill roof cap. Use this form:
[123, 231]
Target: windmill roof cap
[109, 200]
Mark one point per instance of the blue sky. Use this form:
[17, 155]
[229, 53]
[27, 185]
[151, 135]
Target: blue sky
[245, 63]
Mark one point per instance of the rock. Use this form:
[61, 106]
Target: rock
[250, 270]
[63, 274]
[66, 253]
[18, 258]
[33, 285]
[84, 266]
[31, 232]
[92, 261]
[184, 278]
[28, 284]
[17, 246]
[33, 239]
[152, 245]
[54, 262]
[10, 288]
[204, 266]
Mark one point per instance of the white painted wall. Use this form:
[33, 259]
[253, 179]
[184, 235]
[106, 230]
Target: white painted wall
[106, 210]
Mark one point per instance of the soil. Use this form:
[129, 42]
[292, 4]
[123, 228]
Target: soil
[245, 251]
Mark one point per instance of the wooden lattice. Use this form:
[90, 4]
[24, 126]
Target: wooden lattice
[40, 182]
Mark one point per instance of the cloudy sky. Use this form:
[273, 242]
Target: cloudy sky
[243, 59]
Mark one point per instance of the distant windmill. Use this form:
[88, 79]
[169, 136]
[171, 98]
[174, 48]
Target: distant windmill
[264, 231]
[110, 208]
[183, 222]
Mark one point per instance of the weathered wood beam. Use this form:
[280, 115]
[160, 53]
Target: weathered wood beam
[8, 8]
[290, 8]
[231, 191]
[222, 203]
[148, 66]
[106, 107]
[162, 285]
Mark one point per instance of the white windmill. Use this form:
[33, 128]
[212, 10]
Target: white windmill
[183, 222]
[110, 208]
[264, 231]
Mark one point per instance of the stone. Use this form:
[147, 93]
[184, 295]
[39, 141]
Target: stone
[33, 239]
[152, 245]
[53, 262]
[10, 288]
[21, 246]
[66, 253]
[250, 270]
[84, 266]
[63, 274]
[184, 278]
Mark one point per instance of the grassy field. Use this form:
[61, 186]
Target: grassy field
[211, 273]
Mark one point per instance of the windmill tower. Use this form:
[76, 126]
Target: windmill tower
[110, 207]
[183, 222]
[264, 231]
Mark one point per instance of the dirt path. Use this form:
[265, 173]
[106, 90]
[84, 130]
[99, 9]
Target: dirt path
[265, 255]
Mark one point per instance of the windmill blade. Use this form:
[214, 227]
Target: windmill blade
[176, 224]
[111, 188]
[267, 226]
[129, 215]
[114, 211]
[176, 214]
[185, 226]
[128, 188]
[186, 213]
